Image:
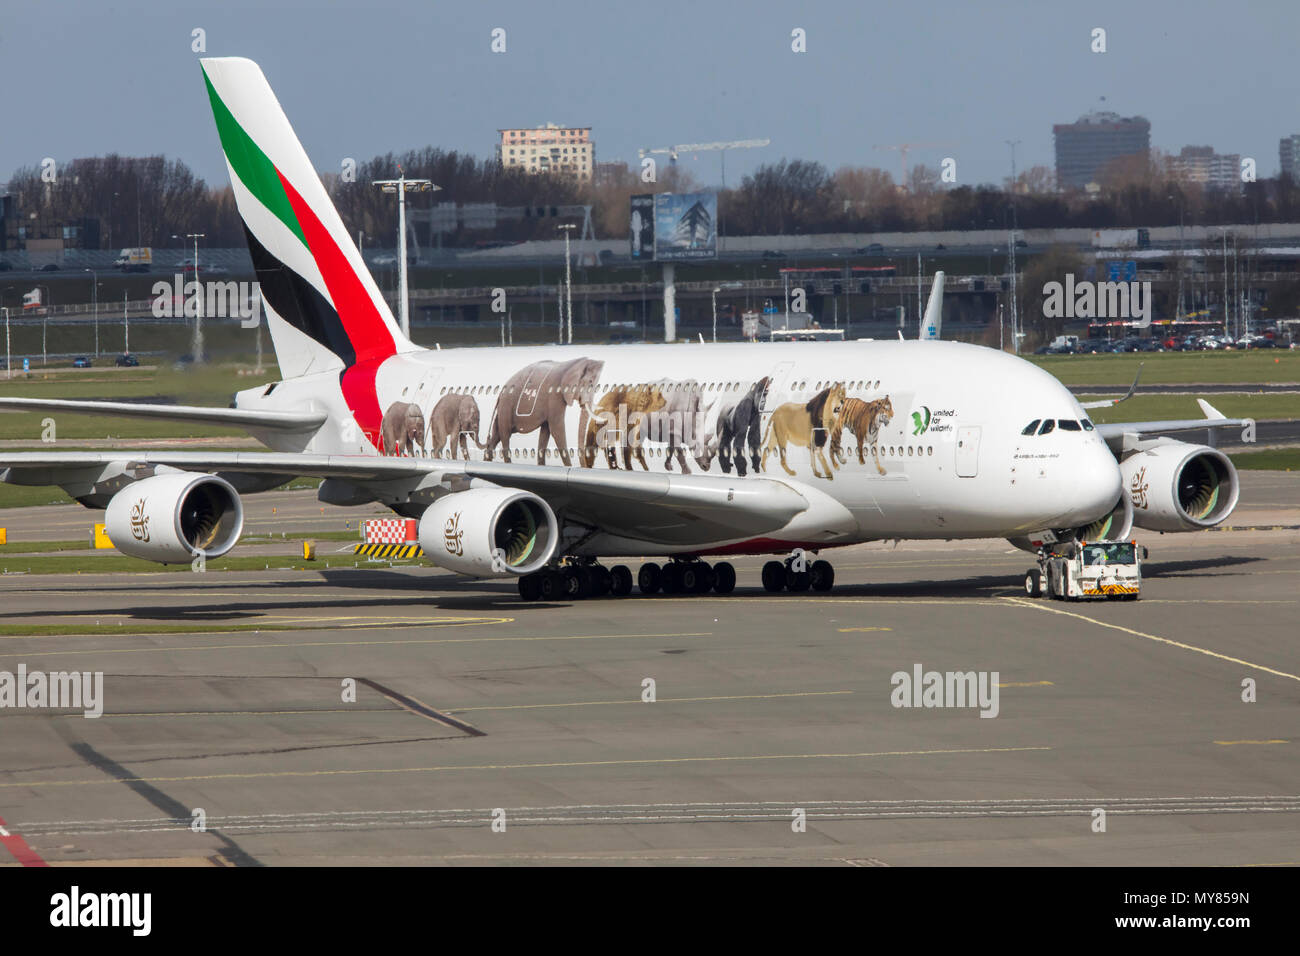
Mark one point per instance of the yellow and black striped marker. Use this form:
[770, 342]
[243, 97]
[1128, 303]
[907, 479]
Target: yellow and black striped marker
[389, 550]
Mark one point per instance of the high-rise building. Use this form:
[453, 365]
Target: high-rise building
[1084, 148]
[566, 150]
[1289, 151]
[1201, 164]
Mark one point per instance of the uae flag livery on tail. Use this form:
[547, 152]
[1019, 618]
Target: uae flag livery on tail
[323, 308]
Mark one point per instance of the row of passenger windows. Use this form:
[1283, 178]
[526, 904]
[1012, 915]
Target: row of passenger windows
[666, 386]
[1041, 426]
[889, 451]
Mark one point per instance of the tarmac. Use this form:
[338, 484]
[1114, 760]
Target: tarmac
[383, 715]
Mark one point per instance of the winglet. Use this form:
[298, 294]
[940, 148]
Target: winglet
[933, 320]
[1132, 389]
[1209, 410]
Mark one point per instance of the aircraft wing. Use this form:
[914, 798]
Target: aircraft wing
[665, 508]
[1114, 433]
[244, 418]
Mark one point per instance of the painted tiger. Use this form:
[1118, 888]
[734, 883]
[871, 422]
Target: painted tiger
[864, 420]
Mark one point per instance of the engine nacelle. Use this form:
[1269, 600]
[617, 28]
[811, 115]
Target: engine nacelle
[175, 517]
[1176, 486]
[489, 532]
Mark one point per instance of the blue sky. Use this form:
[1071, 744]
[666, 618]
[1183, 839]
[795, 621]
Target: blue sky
[86, 77]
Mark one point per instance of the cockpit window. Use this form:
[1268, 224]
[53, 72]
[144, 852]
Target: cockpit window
[1048, 425]
[1031, 427]
[1068, 424]
[1087, 425]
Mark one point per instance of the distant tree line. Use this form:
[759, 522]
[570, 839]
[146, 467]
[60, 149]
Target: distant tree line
[149, 200]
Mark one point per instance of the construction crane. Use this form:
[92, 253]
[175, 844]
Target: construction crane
[674, 151]
[902, 148]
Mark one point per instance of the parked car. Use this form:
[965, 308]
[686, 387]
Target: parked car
[127, 360]
[1022, 244]
[875, 249]
[81, 362]
[49, 267]
[773, 254]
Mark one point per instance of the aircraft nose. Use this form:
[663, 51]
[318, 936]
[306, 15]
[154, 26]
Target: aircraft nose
[1093, 485]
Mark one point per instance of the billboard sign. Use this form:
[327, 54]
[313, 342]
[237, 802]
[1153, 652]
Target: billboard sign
[643, 226]
[686, 226]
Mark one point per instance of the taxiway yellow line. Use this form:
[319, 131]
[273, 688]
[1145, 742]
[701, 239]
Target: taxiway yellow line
[1152, 637]
[559, 765]
[1233, 743]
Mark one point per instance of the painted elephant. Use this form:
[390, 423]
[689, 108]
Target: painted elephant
[402, 429]
[536, 398]
[453, 422]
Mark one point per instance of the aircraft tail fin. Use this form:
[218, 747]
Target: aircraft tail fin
[322, 305]
[933, 320]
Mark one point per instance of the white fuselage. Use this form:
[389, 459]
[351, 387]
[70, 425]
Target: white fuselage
[950, 461]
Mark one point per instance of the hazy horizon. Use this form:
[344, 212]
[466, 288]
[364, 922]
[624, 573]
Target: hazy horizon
[99, 80]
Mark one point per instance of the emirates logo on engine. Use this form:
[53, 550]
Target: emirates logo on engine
[140, 522]
[1138, 488]
[452, 536]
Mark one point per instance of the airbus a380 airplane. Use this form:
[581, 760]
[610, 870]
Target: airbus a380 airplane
[536, 462]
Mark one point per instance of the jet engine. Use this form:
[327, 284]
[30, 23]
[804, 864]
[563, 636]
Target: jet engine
[1176, 486]
[489, 531]
[175, 517]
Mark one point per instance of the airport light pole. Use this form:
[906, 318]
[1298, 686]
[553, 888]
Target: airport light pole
[94, 297]
[45, 318]
[716, 290]
[126, 327]
[9, 362]
[567, 229]
[401, 186]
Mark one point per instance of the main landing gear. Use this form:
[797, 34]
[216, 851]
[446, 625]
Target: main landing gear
[572, 582]
[796, 573]
[577, 579]
[686, 577]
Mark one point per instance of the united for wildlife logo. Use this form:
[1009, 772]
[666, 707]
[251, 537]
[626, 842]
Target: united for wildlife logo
[921, 421]
[140, 522]
[452, 536]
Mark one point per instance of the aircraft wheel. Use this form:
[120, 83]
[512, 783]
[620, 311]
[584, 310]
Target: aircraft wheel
[576, 585]
[696, 577]
[823, 576]
[1034, 582]
[550, 585]
[774, 576]
[530, 587]
[600, 580]
[673, 577]
[798, 580]
[724, 577]
[620, 580]
[650, 578]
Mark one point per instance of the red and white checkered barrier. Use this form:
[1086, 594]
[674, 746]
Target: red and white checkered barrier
[388, 530]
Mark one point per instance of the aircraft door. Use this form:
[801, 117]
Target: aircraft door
[968, 451]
